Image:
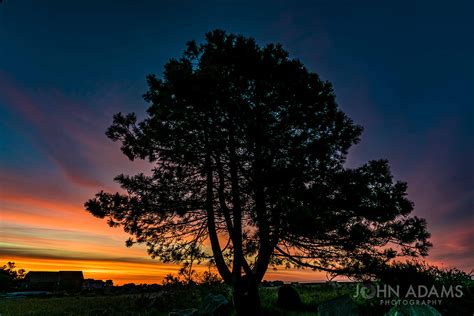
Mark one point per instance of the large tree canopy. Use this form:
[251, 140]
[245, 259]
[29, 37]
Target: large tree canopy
[249, 149]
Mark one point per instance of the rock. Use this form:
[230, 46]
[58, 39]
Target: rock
[288, 298]
[340, 306]
[413, 310]
[215, 305]
[185, 312]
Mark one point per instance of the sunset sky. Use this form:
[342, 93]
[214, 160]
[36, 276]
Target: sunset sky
[403, 70]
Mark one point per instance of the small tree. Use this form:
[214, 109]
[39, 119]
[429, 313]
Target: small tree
[109, 283]
[10, 276]
[249, 150]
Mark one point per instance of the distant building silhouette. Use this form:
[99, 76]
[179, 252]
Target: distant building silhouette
[54, 281]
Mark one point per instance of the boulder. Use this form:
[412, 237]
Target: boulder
[288, 298]
[413, 310]
[340, 306]
[215, 305]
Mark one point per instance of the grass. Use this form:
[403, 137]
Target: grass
[78, 305]
[311, 297]
[158, 303]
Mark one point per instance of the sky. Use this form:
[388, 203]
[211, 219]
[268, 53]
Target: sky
[402, 69]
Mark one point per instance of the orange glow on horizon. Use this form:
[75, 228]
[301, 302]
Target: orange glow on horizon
[141, 272]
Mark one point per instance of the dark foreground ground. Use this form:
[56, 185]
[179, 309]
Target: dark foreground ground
[182, 297]
[159, 303]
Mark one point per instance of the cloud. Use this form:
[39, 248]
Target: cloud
[36, 201]
[58, 255]
[126, 269]
[454, 246]
[438, 164]
[120, 270]
[69, 132]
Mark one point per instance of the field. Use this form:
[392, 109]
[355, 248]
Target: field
[160, 303]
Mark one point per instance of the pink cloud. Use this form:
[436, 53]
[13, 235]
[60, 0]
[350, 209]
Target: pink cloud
[453, 245]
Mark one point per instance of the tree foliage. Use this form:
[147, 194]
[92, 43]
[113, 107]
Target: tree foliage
[10, 275]
[249, 148]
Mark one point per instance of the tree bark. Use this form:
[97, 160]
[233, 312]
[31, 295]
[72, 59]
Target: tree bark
[211, 225]
[246, 298]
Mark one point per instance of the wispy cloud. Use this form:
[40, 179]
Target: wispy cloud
[70, 133]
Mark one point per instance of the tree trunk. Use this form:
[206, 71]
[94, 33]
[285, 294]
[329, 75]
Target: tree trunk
[246, 298]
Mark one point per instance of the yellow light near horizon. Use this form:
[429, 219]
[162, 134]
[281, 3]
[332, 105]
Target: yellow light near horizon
[141, 272]
[120, 272]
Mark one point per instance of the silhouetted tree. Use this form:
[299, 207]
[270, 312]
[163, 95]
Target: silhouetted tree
[249, 150]
[109, 283]
[10, 275]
